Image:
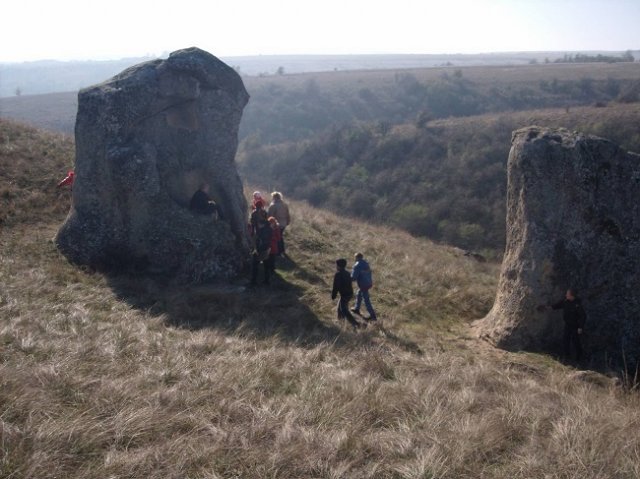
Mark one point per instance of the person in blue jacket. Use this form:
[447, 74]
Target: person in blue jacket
[363, 277]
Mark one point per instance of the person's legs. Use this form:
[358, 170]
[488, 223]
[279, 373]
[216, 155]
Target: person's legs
[254, 268]
[271, 263]
[343, 306]
[578, 345]
[356, 308]
[566, 343]
[281, 242]
[368, 305]
[267, 270]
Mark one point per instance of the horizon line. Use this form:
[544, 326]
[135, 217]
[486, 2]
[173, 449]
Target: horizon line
[297, 55]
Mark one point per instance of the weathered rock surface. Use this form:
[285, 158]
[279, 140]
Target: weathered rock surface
[573, 220]
[145, 140]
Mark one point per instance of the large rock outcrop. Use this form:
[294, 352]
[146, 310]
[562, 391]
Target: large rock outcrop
[145, 141]
[573, 220]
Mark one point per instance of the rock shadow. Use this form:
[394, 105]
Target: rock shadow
[289, 264]
[593, 360]
[262, 311]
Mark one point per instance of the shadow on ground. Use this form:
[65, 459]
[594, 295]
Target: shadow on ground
[262, 311]
[596, 366]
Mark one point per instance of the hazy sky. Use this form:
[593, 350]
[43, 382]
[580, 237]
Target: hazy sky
[85, 29]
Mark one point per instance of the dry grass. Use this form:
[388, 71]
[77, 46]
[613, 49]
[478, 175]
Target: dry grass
[120, 377]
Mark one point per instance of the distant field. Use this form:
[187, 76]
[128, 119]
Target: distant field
[271, 94]
[487, 75]
[48, 76]
[52, 111]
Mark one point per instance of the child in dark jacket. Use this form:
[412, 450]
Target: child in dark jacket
[261, 252]
[342, 285]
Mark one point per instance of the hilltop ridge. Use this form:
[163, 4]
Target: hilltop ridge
[27, 77]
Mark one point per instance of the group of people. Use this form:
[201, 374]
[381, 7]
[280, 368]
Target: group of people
[342, 284]
[266, 228]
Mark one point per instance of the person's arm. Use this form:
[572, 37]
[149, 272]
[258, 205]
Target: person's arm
[286, 214]
[543, 307]
[558, 305]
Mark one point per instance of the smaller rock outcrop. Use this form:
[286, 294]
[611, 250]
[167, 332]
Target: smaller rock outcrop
[145, 141]
[573, 220]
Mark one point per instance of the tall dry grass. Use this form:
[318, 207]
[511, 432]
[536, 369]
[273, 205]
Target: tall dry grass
[119, 377]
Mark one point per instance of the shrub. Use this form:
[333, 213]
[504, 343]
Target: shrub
[415, 219]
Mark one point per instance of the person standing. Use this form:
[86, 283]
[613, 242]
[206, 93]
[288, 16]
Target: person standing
[574, 318]
[261, 252]
[258, 215]
[280, 211]
[342, 285]
[363, 277]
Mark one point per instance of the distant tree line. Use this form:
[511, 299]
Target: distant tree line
[279, 113]
[599, 58]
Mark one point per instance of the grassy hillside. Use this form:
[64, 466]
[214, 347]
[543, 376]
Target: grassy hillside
[119, 376]
[32, 162]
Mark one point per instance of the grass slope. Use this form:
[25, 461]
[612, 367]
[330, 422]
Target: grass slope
[128, 377]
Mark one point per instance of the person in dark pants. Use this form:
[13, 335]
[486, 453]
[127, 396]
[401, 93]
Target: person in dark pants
[363, 277]
[342, 285]
[261, 251]
[574, 320]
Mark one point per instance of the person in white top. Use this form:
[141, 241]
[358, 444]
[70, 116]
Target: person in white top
[280, 211]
